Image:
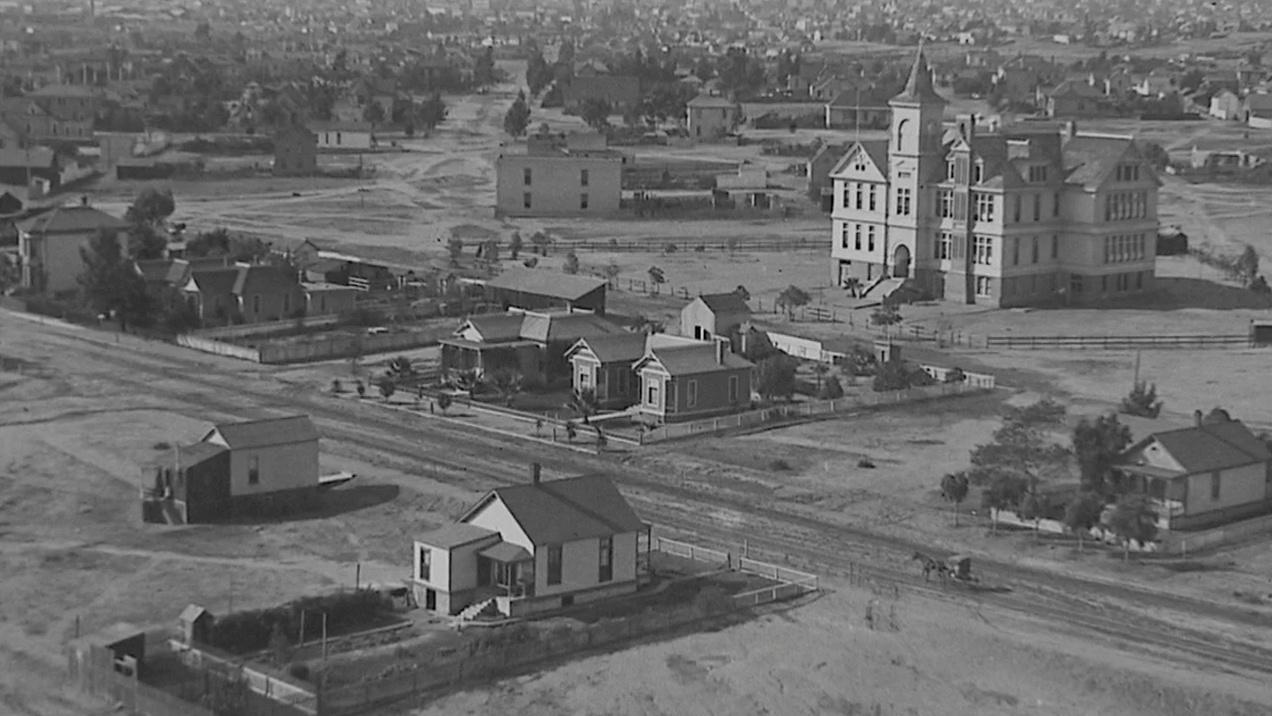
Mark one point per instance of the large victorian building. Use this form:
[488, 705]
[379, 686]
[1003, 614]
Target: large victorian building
[1014, 216]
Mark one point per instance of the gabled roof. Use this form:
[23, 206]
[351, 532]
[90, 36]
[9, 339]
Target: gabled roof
[495, 327]
[876, 150]
[215, 281]
[263, 278]
[170, 271]
[693, 359]
[918, 88]
[562, 286]
[193, 612]
[1213, 445]
[1259, 102]
[612, 348]
[550, 327]
[196, 453]
[454, 535]
[724, 302]
[506, 552]
[560, 511]
[266, 432]
[72, 219]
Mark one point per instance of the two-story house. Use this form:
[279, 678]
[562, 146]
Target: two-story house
[50, 245]
[711, 118]
[529, 548]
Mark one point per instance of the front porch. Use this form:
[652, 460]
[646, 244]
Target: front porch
[458, 354]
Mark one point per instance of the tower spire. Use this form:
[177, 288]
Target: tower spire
[919, 85]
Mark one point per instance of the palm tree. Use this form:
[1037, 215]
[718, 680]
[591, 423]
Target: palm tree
[583, 401]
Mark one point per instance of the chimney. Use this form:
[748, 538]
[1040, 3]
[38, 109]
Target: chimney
[1197, 418]
[535, 472]
[720, 348]
[1068, 130]
[966, 124]
[84, 200]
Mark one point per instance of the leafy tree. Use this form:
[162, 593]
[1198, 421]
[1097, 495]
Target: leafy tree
[955, 375]
[1142, 401]
[455, 248]
[833, 389]
[490, 250]
[775, 377]
[1247, 265]
[518, 116]
[387, 387]
[1096, 444]
[443, 401]
[886, 315]
[1082, 513]
[742, 293]
[151, 207]
[583, 401]
[538, 74]
[507, 383]
[612, 271]
[893, 375]
[1260, 286]
[595, 112]
[373, 112]
[110, 282]
[954, 488]
[1042, 413]
[791, 298]
[571, 265]
[484, 67]
[515, 244]
[361, 389]
[145, 242]
[432, 111]
[571, 430]
[540, 241]
[1020, 447]
[1035, 506]
[656, 277]
[400, 370]
[1003, 491]
[1133, 518]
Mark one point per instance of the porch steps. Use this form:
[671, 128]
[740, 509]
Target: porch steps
[882, 289]
[471, 611]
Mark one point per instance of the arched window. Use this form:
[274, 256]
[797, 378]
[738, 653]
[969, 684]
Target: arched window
[902, 127]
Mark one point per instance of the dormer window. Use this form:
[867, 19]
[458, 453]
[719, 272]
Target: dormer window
[978, 172]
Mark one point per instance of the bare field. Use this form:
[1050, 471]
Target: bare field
[924, 658]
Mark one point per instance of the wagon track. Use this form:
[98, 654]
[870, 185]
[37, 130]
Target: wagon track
[479, 461]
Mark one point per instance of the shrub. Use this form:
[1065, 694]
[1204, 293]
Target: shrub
[162, 445]
[337, 386]
[258, 629]
[1142, 401]
[955, 375]
[779, 465]
[299, 670]
[832, 389]
[866, 463]
[893, 375]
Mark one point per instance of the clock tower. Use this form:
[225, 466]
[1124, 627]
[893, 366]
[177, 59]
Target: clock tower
[915, 164]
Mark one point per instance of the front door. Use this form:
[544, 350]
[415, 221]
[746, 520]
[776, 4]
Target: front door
[901, 262]
[430, 599]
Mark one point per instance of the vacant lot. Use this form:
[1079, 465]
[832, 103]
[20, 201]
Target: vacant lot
[923, 658]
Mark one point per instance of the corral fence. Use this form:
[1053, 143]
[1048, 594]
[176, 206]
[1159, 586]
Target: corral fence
[697, 245]
[809, 409]
[790, 583]
[691, 552]
[1232, 340]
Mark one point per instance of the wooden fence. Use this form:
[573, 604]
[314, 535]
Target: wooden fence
[687, 244]
[808, 409]
[691, 551]
[1122, 342]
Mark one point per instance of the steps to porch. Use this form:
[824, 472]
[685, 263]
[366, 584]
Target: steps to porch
[476, 609]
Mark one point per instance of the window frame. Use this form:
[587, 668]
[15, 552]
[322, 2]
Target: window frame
[605, 560]
[555, 564]
[253, 469]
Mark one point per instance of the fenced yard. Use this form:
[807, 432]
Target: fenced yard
[810, 409]
[1230, 340]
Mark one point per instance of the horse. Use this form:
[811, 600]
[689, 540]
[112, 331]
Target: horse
[931, 564]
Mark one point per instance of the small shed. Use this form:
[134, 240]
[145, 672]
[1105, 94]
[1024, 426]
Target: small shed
[121, 647]
[1261, 332]
[196, 624]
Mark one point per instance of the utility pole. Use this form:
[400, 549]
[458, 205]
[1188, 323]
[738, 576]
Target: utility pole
[1137, 370]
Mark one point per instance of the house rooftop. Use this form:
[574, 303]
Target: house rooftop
[700, 357]
[454, 535]
[1216, 444]
[560, 511]
[546, 283]
[615, 347]
[72, 219]
[266, 432]
[557, 326]
[725, 302]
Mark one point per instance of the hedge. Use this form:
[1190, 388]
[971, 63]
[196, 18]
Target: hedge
[249, 631]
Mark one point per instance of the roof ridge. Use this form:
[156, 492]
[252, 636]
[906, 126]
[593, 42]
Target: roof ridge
[599, 518]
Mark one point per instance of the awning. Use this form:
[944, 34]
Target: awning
[506, 553]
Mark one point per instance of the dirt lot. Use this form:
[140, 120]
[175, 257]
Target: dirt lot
[823, 658]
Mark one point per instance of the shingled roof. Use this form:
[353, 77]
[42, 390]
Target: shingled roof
[73, 219]
[1213, 445]
[562, 286]
[560, 511]
[266, 432]
[729, 302]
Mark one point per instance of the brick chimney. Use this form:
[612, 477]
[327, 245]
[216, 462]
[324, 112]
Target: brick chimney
[966, 124]
[1068, 130]
[536, 471]
[721, 347]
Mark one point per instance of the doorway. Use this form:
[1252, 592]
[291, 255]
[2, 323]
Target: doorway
[901, 262]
